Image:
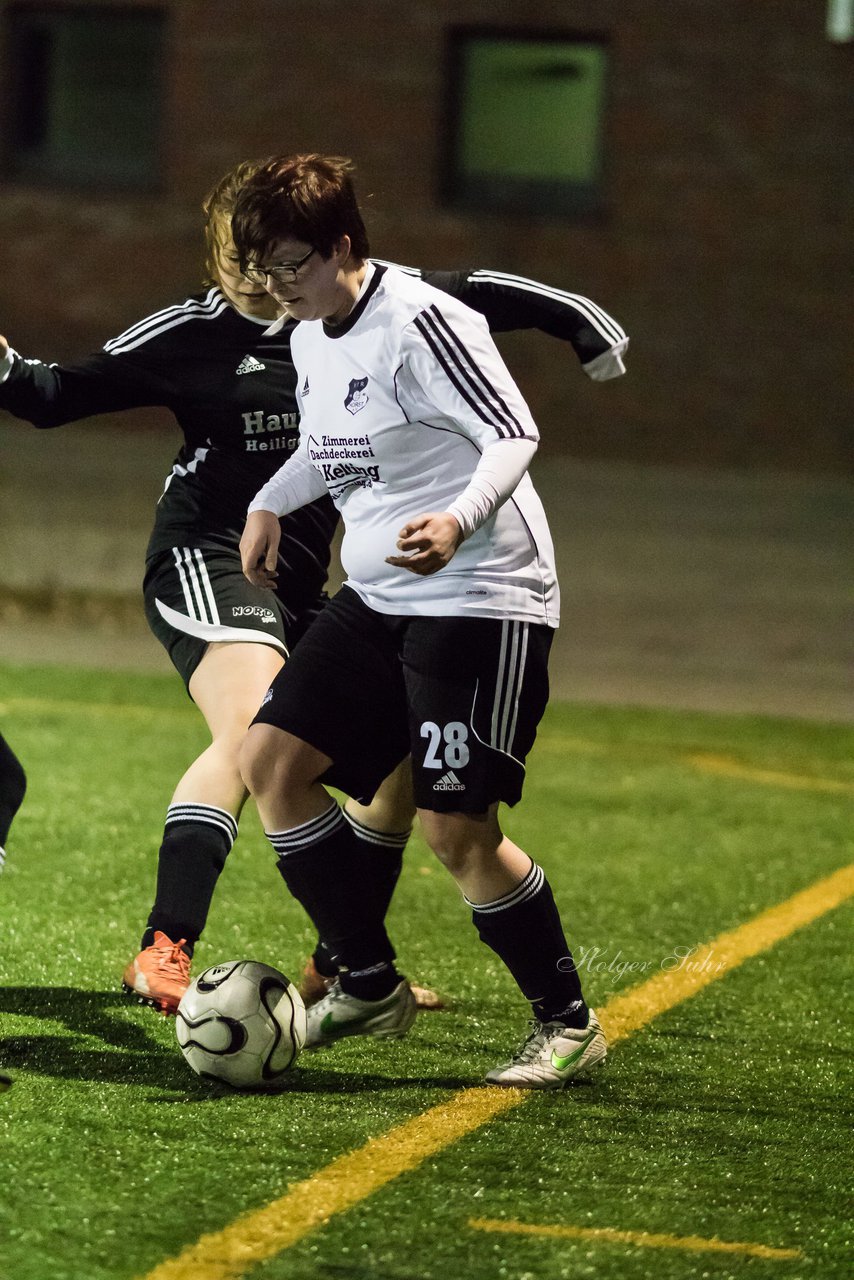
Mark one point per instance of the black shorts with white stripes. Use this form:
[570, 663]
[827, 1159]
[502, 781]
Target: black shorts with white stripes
[463, 696]
[197, 596]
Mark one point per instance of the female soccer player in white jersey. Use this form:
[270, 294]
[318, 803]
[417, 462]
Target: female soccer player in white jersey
[231, 388]
[437, 645]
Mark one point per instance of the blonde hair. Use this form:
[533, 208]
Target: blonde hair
[218, 206]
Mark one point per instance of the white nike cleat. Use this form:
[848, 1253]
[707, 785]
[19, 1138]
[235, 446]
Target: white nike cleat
[313, 986]
[339, 1014]
[553, 1055]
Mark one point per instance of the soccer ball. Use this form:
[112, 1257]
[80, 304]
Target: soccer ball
[242, 1022]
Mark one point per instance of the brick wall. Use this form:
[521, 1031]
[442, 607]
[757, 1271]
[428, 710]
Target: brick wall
[725, 251]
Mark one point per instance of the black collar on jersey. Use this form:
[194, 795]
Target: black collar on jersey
[338, 330]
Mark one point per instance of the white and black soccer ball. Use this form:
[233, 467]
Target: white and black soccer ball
[242, 1022]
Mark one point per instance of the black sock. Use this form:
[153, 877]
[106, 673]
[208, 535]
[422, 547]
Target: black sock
[325, 868]
[385, 859]
[523, 928]
[13, 785]
[323, 961]
[197, 839]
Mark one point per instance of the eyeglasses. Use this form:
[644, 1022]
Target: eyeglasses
[282, 273]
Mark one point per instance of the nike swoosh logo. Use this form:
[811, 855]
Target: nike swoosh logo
[330, 1024]
[561, 1064]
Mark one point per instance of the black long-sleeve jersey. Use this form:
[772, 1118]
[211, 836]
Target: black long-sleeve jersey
[231, 388]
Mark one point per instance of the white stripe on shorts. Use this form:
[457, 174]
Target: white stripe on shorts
[196, 585]
[216, 632]
[508, 685]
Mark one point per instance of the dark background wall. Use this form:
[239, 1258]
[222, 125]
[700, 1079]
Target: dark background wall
[725, 250]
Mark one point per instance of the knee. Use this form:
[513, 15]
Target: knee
[273, 762]
[454, 859]
[227, 746]
[261, 766]
[460, 843]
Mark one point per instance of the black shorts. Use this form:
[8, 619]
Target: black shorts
[195, 597]
[463, 696]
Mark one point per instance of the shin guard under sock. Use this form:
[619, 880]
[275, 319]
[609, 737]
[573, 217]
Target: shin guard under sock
[384, 851]
[325, 868]
[524, 930]
[197, 839]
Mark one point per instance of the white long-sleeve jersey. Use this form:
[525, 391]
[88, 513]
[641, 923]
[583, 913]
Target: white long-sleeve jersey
[407, 407]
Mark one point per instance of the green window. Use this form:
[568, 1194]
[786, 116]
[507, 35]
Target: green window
[85, 95]
[524, 122]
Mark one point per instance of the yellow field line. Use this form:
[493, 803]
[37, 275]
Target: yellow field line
[729, 768]
[633, 1009]
[260, 1234]
[705, 762]
[648, 1239]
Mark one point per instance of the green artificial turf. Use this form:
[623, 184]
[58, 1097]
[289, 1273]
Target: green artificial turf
[726, 1117]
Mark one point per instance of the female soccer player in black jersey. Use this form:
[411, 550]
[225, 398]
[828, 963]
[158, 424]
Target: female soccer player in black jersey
[231, 387]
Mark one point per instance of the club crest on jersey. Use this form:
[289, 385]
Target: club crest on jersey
[356, 397]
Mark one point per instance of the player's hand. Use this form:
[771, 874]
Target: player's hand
[259, 547]
[428, 541]
[4, 346]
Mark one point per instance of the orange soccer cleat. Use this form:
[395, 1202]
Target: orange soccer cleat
[313, 985]
[159, 975]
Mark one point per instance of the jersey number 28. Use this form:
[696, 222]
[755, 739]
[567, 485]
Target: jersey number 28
[451, 741]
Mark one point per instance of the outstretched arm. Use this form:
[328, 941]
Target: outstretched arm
[511, 302]
[49, 395]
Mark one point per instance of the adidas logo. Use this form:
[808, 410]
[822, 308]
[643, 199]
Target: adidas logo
[304, 391]
[249, 365]
[450, 782]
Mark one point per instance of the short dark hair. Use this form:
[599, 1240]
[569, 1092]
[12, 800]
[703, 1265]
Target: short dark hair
[303, 197]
